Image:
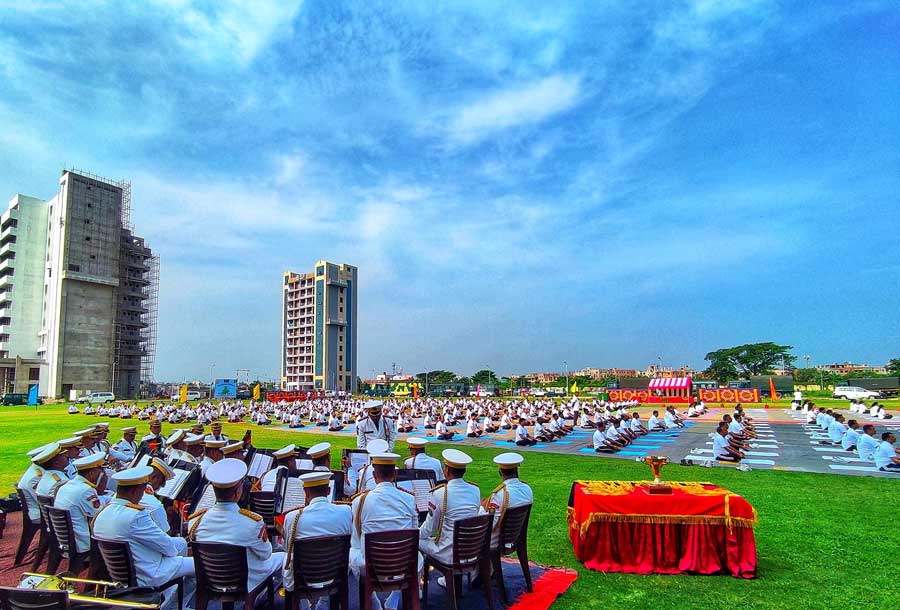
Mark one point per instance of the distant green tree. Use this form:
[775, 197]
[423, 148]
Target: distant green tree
[486, 377]
[748, 360]
[437, 376]
[893, 366]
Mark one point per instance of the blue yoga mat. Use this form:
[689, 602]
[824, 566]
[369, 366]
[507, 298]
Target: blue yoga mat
[512, 444]
[633, 453]
[646, 447]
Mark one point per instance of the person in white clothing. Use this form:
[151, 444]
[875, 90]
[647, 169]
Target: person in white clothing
[84, 496]
[158, 558]
[851, 436]
[318, 517]
[285, 459]
[385, 507]
[161, 473]
[511, 493]
[422, 460]
[226, 523]
[866, 444]
[376, 425]
[449, 502]
[887, 458]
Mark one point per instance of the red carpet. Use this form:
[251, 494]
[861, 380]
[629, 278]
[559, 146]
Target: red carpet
[552, 583]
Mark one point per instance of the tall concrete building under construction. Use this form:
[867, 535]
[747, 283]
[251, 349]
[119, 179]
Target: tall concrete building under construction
[86, 311]
[318, 329]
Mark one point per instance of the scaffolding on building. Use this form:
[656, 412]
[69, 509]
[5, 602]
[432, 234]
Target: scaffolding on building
[124, 185]
[148, 333]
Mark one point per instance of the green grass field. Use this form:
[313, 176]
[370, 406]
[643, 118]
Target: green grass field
[824, 541]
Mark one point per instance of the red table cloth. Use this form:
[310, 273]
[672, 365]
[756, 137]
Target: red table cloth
[617, 526]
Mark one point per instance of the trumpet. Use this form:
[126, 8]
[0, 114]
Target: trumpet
[99, 589]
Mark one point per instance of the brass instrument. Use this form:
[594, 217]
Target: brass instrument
[47, 582]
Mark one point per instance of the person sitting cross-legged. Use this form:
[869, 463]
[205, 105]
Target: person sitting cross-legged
[887, 457]
[722, 449]
[523, 439]
[602, 444]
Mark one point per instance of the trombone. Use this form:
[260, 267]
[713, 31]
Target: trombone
[96, 591]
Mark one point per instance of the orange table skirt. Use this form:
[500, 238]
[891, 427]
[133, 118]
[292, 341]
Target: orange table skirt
[617, 526]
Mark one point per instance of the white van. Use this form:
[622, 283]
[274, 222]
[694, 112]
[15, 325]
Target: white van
[97, 398]
[190, 396]
[851, 392]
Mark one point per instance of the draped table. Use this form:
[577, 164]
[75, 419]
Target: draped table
[618, 526]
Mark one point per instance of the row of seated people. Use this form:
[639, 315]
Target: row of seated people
[862, 440]
[134, 515]
[876, 411]
[734, 436]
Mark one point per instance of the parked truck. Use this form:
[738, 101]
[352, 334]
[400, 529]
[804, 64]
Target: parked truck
[886, 386]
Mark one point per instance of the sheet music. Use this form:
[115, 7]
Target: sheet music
[357, 461]
[207, 499]
[421, 490]
[294, 496]
[303, 464]
[260, 465]
[173, 486]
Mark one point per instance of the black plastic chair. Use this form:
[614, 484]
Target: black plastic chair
[33, 599]
[29, 529]
[119, 563]
[222, 575]
[320, 566]
[471, 552]
[47, 541]
[392, 564]
[513, 539]
[61, 524]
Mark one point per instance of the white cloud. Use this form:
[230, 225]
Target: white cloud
[527, 104]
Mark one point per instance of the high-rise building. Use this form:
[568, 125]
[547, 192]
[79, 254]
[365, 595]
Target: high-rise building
[23, 245]
[93, 321]
[318, 329]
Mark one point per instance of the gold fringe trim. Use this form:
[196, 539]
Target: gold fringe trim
[727, 520]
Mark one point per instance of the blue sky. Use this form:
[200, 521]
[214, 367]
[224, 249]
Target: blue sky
[519, 183]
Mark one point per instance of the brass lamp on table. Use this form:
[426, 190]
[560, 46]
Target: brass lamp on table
[656, 462]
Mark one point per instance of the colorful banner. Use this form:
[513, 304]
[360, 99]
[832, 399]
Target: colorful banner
[729, 395]
[620, 395]
[182, 394]
[33, 396]
[256, 392]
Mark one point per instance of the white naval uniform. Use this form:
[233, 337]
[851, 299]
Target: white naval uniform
[318, 518]
[149, 437]
[156, 509]
[27, 484]
[365, 478]
[367, 431]
[79, 496]
[227, 523]
[49, 482]
[512, 493]
[205, 464]
[158, 557]
[426, 462]
[383, 508]
[463, 500]
[124, 451]
[267, 482]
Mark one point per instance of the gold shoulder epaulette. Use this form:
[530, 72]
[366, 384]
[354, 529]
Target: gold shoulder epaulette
[498, 488]
[56, 477]
[197, 514]
[251, 514]
[437, 487]
[472, 484]
[134, 506]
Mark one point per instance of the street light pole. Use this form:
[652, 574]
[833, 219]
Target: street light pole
[566, 364]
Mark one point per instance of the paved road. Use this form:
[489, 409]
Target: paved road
[785, 443]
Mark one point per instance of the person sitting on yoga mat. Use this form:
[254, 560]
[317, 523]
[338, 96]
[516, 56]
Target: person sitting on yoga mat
[722, 449]
[887, 457]
[654, 423]
[523, 439]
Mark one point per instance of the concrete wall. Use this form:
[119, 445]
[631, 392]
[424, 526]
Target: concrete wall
[86, 342]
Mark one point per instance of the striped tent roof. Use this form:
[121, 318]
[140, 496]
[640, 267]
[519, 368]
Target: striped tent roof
[670, 383]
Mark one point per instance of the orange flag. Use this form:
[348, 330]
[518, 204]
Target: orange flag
[772, 389]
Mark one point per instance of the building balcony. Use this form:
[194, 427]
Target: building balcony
[8, 247]
[7, 265]
[8, 231]
[336, 321]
